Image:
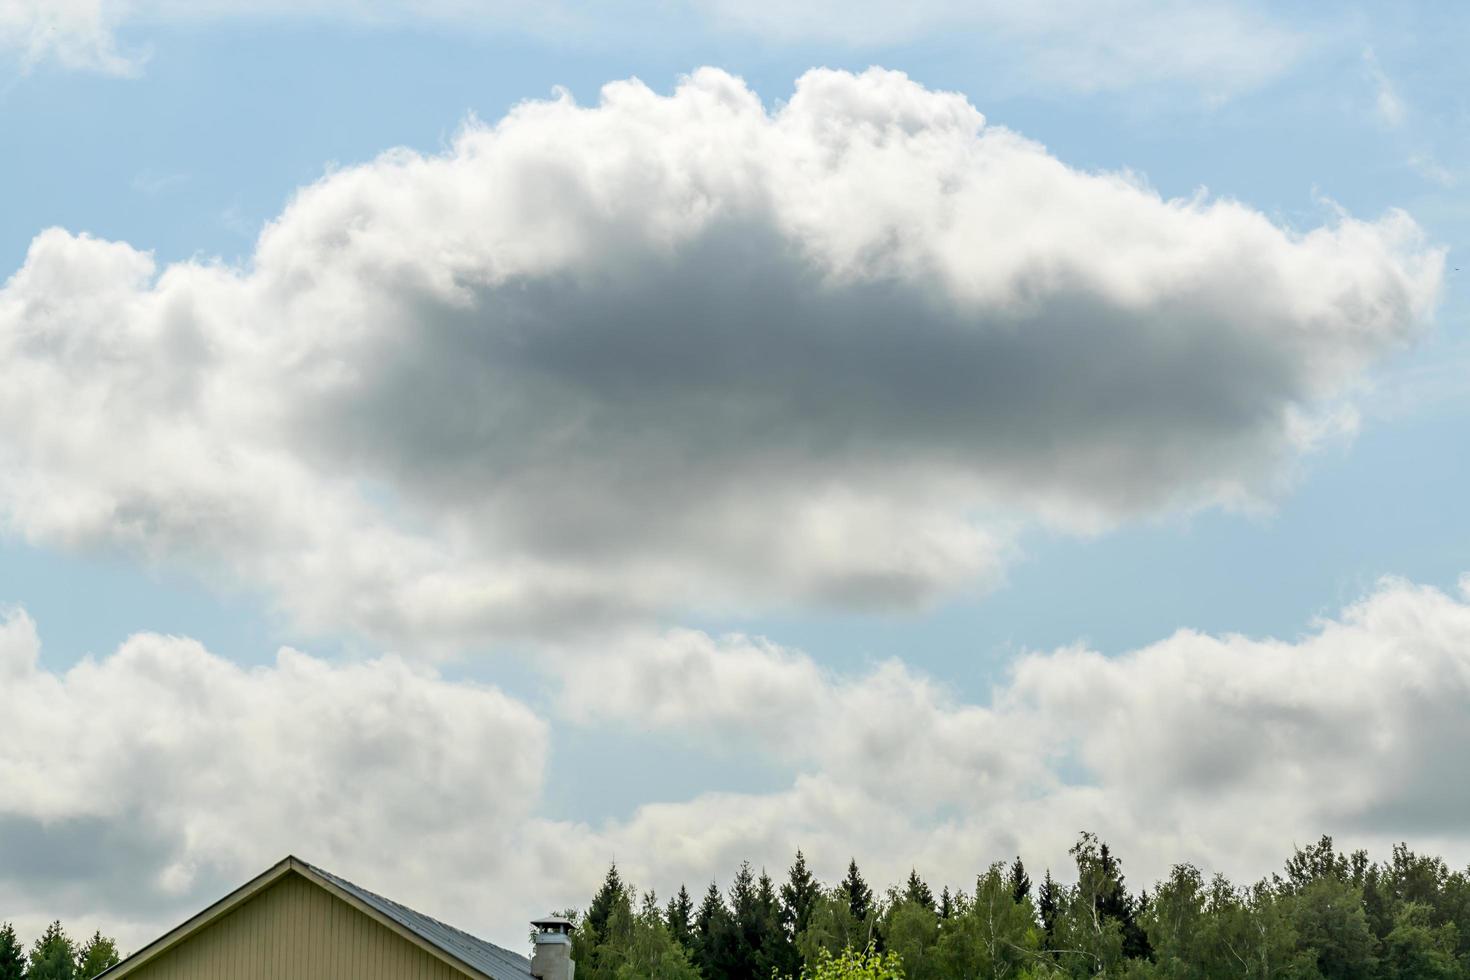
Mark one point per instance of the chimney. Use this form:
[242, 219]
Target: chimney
[553, 957]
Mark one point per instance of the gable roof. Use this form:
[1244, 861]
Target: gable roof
[469, 954]
[488, 958]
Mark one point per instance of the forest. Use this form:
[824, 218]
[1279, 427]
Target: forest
[1325, 916]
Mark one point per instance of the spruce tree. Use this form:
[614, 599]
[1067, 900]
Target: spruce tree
[96, 955]
[12, 955]
[744, 914]
[916, 891]
[712, 928]
[680, 918]
[1115, 903]
[53, 957]
[774, 953]
[1018, 881]
[859, 895]
[1049, 904]
[798, 896]
[603, 903]
[946, 904]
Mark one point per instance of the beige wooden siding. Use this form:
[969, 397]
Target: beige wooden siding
[295, 930]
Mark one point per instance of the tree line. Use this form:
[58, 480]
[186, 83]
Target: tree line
[54, 955]
[1326, 916]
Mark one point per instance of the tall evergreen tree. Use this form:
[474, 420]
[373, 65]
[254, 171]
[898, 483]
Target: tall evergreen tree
[916, 891]
[859, 895]
[712, 939]
[603, 903]
[1117, 904]
[946, 904]
[798, 894]
[745, 916]
[12, 955]
[1018, 881]
[53, 957]
[680, 918]
[1049, 904]
[775, 953]
[96, 955]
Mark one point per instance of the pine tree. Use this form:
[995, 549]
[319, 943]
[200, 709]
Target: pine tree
[916, 891]
[744, 914]
[603, 903]
[1049, 903]
[946, 904]
[53, 957]
[859, 895]
[797, 898]
[680, 918]
[12, 955]
[712, 927]
[1117, 904]
[775, 953]
[96, 955]
[1018, 881]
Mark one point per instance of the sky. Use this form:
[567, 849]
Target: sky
[464, 447]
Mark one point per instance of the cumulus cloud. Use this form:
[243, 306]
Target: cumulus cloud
[162, 775]
[138, 787]
[1356, 729]
[593, 363]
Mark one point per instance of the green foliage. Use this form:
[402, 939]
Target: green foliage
[859, 895]
[911, 932]
[851, 965]
[53, 957]
[714, 937]
[990, 934]
[604, 904]
[1018, 880]
[628, 944]
[96, 955]
[1415, 948]
[680, 918]
[12, 955]
[799, 895]
[1332, 926]
[833, 928]
[916, 891]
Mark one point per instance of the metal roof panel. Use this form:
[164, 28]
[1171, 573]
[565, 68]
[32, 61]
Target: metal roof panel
[492, 960]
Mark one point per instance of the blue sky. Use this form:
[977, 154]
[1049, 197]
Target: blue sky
[212, 123]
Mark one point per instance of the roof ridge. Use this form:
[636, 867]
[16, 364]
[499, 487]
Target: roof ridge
[407, 916]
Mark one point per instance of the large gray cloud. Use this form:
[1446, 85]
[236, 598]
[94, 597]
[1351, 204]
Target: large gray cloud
[596, 362]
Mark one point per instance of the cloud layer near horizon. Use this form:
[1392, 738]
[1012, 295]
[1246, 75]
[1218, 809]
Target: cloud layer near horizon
[139, 786]
[592, 364]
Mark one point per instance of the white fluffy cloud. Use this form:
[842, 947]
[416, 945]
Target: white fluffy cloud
[137, 787]
[1357, 729]
[592, 363]
[159, 776]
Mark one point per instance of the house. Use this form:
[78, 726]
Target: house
[298, 922]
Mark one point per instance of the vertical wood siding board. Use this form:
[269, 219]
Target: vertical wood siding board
[313, 936]
[293, 945]
[260, 942]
